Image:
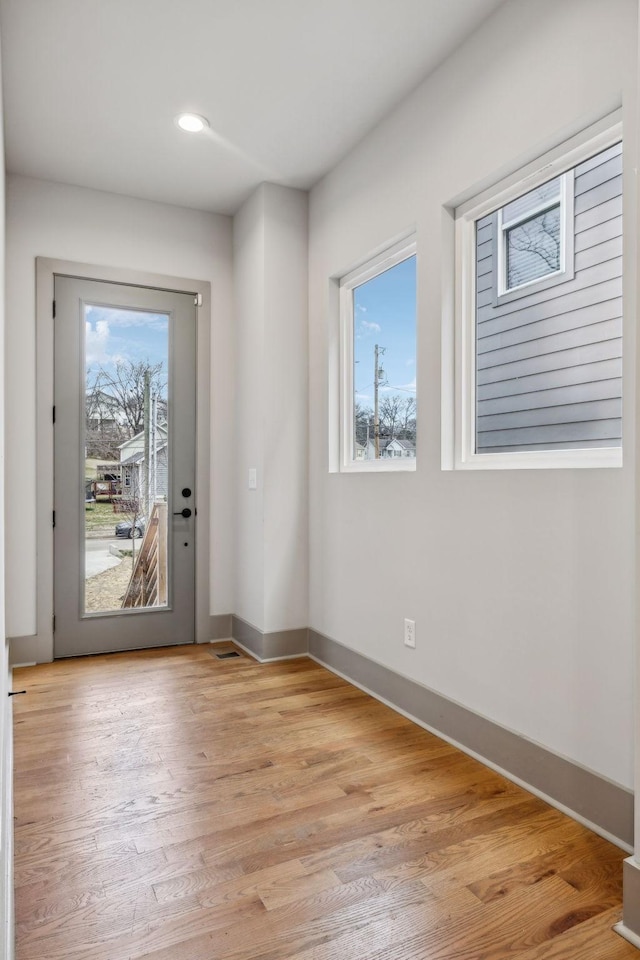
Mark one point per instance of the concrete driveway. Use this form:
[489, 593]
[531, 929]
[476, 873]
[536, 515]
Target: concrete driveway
[98, 556]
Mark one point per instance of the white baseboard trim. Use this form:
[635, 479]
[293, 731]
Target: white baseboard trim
[627, 933]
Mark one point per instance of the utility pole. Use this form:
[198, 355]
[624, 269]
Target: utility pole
[147, 444]
[378, 378]
[154, 449]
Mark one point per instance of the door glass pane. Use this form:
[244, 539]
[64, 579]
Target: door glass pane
[126, 468]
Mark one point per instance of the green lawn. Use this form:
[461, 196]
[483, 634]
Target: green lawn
[100, 517]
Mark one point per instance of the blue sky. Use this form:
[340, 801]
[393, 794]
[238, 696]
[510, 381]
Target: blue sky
[113, 334]
[384, 312]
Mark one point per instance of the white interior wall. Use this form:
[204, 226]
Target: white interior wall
[6, 713]
[249, 312]
[286, 529]
[71, 223]
[270, 275]
[628, 896]
[520, 582]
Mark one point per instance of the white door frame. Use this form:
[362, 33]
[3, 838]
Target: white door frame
[41, 649]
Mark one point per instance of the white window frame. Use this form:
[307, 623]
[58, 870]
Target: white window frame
[560, 161]
[564, 201]
[393, 255]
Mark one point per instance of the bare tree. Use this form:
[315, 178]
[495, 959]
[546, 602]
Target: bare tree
[391, 415]
[408, 416]
[103, 429]
[135, 515]
[124, 390]
[397, 419]
[363, 417]
[102, 439]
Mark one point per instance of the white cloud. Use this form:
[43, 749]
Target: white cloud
[127, 318]
[370, 327]
[360, 307]
[97, 342]
[150, 321]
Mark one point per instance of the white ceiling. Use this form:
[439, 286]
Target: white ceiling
[91, 87]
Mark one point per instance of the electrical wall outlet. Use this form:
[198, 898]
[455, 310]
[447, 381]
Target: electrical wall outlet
[409, 633]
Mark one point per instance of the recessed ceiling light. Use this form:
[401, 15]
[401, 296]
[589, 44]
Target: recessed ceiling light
[191, 122]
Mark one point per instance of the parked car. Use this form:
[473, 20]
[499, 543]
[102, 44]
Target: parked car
[126, 528]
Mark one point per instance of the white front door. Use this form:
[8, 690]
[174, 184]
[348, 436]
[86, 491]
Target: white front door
[124, 467]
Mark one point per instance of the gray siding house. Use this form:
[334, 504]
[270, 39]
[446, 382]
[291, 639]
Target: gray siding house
[132, 466]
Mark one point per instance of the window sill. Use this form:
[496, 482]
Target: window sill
[576, 459]
[401, 465]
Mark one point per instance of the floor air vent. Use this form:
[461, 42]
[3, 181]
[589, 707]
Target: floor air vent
[227, 656]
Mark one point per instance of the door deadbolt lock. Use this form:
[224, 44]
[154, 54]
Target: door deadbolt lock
[185, 512]
[186, 492]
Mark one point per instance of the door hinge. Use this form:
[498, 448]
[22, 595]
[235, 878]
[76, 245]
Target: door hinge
[54, 310]
[54, 414]
[53, 623]
[198, 299]
[53, 518]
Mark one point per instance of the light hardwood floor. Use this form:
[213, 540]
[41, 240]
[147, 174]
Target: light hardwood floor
[173, 806]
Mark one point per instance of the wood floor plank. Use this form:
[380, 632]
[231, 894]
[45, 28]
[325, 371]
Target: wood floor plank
[171, 806]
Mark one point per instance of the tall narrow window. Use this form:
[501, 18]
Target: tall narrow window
[378, 315]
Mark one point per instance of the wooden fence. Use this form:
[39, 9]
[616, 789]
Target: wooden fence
[148, 584]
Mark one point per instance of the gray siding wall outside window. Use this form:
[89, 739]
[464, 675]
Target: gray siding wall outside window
[162, 483]
[549, 362]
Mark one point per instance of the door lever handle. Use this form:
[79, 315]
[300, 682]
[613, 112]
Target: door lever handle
[185, 512]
